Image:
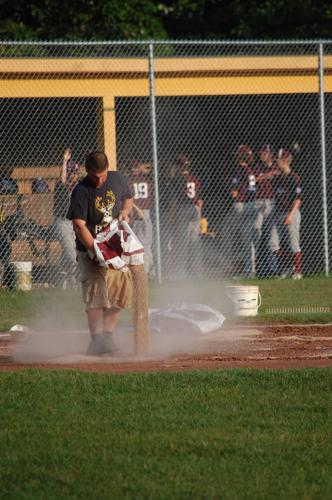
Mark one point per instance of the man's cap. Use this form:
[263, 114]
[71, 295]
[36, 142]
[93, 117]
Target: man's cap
[244, 153]
[284, 154]
[39, 185]
[184, 159]
[266, 148]
[137, 167]
[134, 165]
[244, 149]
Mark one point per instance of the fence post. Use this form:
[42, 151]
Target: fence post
[155, 158]
[323, 153]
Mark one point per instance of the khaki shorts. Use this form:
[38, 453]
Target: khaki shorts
[101, 287]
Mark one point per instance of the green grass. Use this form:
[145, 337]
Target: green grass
[64, 308]
[224, 434]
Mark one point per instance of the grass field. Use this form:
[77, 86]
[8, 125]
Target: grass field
[223, 434]
[64, 308]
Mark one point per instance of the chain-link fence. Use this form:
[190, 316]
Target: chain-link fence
[225, 146]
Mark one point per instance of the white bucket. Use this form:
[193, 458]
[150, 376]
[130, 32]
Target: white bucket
[22, 271]
[245, 300]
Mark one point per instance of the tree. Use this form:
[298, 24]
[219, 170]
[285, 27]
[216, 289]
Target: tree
[165, 19]
[87, 19]
[253, 19]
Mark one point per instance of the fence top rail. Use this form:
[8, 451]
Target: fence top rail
[162, 42]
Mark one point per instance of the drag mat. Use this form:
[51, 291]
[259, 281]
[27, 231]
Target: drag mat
[291, 346]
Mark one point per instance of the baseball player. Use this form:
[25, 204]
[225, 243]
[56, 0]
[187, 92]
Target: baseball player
[68, 178]
[141, 185]
[268, 245]
[194, 185]
[288, 201]
[243, 192]
[193, 191]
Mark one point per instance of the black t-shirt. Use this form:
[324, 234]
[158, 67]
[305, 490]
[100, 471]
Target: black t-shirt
[98, 206]
[287, 189]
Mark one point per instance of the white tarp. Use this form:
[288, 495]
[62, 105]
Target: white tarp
[189, 317]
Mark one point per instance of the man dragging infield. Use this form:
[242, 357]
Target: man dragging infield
[96, 201]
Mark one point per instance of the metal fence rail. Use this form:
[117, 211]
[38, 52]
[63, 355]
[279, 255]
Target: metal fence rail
[201, 130]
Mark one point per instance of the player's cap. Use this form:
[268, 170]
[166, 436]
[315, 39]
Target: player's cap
[72, 167]
[267, 148]
[244, 153]
[145, 168]
[39, 185]
[134, 166]
[284, 154]
[183, 159]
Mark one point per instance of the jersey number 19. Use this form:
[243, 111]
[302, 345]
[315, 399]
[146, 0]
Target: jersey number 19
[141, 190]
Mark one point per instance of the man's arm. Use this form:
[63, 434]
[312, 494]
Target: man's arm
[66, 158]
[83, 233]
[127, 207]
[295, 207]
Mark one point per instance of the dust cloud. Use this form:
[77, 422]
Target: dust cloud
[59, 331]
[58, 328]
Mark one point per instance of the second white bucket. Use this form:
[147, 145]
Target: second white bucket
[245, 300]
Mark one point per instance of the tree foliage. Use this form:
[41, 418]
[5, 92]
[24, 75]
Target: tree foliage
[164, 19]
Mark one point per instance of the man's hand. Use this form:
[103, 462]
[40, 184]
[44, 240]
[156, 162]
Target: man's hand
[67, 154]
[124, 215]
[127, 208]
[92, 255]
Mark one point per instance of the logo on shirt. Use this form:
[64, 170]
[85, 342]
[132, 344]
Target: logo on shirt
[105, 208]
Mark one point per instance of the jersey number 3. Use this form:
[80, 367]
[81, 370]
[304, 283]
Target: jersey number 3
[191, 189]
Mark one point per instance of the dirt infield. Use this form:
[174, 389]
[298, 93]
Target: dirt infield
[292, 346]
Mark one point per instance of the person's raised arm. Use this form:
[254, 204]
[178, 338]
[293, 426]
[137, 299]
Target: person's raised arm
[66, 158]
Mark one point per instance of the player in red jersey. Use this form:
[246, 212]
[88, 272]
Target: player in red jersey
[193, 191]
[266, 168]
[141, 185]
[193, 184]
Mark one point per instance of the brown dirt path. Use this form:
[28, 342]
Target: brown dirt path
[282, 347]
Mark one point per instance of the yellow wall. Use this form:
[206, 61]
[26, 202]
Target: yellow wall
[111, 78]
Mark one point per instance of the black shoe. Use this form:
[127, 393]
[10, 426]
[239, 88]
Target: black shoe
[96, 346]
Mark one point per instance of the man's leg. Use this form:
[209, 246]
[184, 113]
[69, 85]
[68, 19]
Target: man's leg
[110, 319]
[259, 247]
[101, 325]
[294, 240]
[95, 321]
[66, 236]
[284, 253]
[249, 238]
